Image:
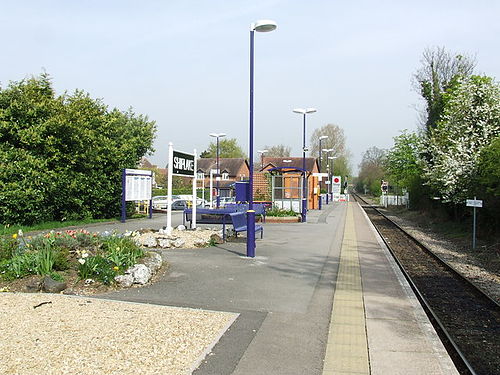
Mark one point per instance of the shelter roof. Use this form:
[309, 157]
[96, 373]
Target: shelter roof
[288, 162]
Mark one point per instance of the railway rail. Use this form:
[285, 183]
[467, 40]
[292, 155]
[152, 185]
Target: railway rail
[466, 318]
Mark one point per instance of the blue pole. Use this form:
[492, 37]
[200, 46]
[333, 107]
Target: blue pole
[124, 203]
[218, 175]
[304, 180]
[251, 212]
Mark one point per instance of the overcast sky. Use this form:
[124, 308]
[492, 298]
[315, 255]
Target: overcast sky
[185, 64]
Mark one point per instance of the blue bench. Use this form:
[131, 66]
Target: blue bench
[239, 220]
[259, 208]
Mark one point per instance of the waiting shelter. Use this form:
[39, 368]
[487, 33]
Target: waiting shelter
[287, 181]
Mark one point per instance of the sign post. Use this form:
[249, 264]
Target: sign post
[137, 185]
[179, 164]
[474, 203]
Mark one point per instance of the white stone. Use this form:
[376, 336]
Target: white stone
[153, 261]
[178, 242]
[125, 281]
[148, 240]
[200, 243]
[181, 227]
[164, 243]
[140, 273]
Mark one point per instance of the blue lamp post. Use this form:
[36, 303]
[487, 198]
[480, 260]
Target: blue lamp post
[259, 26]
[320, 151]
[304, 112]
[217, 177]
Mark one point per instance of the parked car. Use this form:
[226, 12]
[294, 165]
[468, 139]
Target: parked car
[223, 201]
[180, 204]
[160, 201]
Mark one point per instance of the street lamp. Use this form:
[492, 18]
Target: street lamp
[304, 112]
[320, 139]
[320, 149]
[259, 26]
[332, 158]
[262, 152]
[217, 177]
[327, 150]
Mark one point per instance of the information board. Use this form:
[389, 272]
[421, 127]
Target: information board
[138, 184]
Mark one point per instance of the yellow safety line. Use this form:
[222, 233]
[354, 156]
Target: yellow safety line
[347, 348]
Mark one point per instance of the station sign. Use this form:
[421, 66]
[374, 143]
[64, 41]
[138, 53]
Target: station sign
[183, 164]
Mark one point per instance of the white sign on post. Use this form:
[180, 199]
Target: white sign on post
[474, 203]
[180, 164]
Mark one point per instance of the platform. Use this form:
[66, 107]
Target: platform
[377, 325]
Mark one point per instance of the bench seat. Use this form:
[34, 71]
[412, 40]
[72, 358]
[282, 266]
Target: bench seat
[239, 220]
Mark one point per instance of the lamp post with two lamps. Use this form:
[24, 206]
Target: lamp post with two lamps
[320, 149]
[304, 112]
[217, 177]
[328, 188]
[259, 26]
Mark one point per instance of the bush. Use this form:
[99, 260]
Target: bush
[61, 157]
[275, 211]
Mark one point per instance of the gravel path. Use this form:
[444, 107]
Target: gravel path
[476, 266]
[81, 335]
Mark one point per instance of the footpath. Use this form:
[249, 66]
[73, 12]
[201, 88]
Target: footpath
[321, 297]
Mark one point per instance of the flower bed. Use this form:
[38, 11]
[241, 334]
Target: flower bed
[72, 255]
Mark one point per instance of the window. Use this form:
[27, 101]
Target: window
[225, 176]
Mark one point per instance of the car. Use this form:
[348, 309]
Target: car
[223, 201]
[160, 202]
[180, 204]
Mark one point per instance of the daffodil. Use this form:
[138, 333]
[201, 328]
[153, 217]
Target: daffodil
[14, 236]
[116, 268]
[81, 260]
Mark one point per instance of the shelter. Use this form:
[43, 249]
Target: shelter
[287, 178]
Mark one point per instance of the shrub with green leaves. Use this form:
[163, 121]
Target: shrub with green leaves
[280, 212]
[61, 157]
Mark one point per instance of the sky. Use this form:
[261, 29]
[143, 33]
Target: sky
[185, 64]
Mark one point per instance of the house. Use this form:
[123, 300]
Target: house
[231, 170]
[286, 181]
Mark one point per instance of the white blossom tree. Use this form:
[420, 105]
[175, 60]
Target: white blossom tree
[470, 122]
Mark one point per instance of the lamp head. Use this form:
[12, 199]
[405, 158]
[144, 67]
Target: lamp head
[323, 137]
[311, 110]
[264, 26]
[299, 110]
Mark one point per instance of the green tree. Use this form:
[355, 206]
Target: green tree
[434, 77]
[62, 156]
[228, 148]
[403, 160]
[486, 184]
[371, 170]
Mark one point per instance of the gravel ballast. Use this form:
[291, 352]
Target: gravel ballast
[57, 334]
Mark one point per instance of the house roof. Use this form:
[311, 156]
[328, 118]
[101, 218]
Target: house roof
[272, 162]
[230, 165]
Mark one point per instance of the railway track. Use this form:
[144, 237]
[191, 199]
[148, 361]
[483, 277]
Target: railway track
[466, 318]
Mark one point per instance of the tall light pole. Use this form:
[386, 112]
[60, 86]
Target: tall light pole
[259, 26]
[262, 152]
[320, 149]
[332, 158]
[304, 112]
[217, 177]
[327, 150]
